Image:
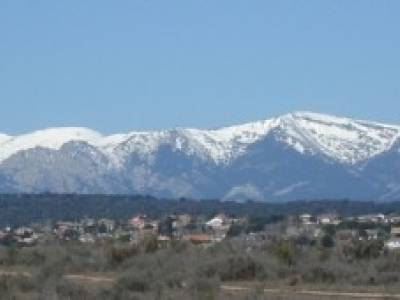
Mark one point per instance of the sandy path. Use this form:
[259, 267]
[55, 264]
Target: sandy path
[319, 293]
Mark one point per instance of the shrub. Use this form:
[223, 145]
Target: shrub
[134, 283]
[204, 288]
[119, 254]
[69, 290]
[327, 241]
[285, 251]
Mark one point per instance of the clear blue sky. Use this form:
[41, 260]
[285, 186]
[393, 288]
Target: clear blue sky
[145, 64]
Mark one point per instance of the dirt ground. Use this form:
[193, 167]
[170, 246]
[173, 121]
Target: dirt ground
[251, 291]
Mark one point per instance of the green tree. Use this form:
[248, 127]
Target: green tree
[327, 241]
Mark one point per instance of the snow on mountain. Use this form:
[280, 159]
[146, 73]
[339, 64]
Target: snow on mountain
[341, 139]
[53, 138]
[4, 138]
[225, 144]
[300, 155]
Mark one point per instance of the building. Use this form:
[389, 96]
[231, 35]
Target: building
[198, 239]
[138, 222]
[394, 242]
[25, 236]
[306, 219]
[106, 225]
[328, 219]
[373, 218]
[216, 223]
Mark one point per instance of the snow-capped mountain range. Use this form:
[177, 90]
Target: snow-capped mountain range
[298, 155]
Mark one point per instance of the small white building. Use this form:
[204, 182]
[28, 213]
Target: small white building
[374, 218]
[216, 222]
[326, 219]
[393, 244]
[306, 219]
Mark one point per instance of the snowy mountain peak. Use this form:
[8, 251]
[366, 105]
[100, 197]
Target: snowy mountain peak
[341, 139]
[333, 157]
[51, 138]
[4, 138]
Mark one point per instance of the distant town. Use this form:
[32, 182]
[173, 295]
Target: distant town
[199, 230]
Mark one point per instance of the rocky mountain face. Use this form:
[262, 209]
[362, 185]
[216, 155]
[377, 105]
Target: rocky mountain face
[296, 156]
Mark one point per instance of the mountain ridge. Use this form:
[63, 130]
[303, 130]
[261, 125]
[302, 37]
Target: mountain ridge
[301, 155]
[221, 138]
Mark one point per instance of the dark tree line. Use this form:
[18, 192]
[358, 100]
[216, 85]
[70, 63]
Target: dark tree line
[25, 209]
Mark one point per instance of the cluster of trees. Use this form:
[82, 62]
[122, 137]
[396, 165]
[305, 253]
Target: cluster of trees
[27, 209]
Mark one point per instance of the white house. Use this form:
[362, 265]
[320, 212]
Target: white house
[216, 222]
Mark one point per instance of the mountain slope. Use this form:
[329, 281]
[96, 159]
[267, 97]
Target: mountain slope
[298, 155]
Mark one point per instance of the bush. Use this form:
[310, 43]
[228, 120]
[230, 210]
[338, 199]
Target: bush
[69, 290]
[285, 251]
[119, 254]
[204, 288]
[327, 241]
[134, 283]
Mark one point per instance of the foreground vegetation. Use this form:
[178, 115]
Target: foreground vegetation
[180, 270]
